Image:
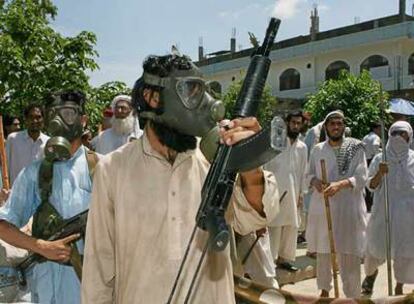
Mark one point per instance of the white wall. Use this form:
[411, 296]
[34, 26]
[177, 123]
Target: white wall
[395, 50]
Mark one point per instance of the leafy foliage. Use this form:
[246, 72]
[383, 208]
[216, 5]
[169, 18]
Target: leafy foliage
[266, 108]
[357, 96]
[36, 60]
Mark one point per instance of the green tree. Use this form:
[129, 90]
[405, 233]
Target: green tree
[266, 107]
[357, 96]
[36, 60]
[101, 98]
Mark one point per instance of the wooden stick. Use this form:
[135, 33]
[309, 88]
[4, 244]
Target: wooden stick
[3, 158]
[330, 230]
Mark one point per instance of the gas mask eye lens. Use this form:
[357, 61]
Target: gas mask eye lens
[68, 115]
[191, 92]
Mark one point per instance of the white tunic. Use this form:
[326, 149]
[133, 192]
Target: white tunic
[372, 144]
[22, 151]
[142, 213]
[347, 206]
[289, 168]
[401, 204]
[109, 141]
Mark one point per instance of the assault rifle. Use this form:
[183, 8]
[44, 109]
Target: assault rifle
[229, 160]
[73, 225]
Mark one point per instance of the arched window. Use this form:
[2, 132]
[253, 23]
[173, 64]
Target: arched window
[289, 80]
[332, 71]
[374, 61]
[377, 65]
[411, 65]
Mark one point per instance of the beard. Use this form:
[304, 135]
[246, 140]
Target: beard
[335, 138]
[292, 134]
[123, 126]
[173, 139]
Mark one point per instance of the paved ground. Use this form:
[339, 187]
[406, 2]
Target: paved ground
[308, 286]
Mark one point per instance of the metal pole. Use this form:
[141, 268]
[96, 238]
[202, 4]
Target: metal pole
[386, 205]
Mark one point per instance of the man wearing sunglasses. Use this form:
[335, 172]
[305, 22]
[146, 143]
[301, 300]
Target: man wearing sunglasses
[400, 172]
[50, 191]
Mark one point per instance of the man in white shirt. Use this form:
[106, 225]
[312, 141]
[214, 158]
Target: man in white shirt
[372, 142]
[26, 146]
[346, 171]
[124, 127]
[399, 169]
[289, 169]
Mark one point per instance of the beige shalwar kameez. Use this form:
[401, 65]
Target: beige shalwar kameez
[142, 213]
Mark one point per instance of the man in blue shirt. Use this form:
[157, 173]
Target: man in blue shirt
[52, 281]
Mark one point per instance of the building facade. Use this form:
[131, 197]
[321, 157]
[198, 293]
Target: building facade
[383, 46]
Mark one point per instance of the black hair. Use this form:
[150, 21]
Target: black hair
[294, 114]
[374, 125]
[31, 107]
[160, 66]
[8, 120]
[76, 97]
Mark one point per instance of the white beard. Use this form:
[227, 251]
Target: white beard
[123, 126]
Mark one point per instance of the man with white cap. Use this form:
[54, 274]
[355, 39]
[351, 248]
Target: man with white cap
[346, 176]
[124, 128]
[400, 171]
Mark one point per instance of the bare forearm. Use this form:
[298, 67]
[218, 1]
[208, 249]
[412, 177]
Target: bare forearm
[252, 183]
[375, 181]
[13, 236]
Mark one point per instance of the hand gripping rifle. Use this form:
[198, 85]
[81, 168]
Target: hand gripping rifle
[73, 225]
[229, 160]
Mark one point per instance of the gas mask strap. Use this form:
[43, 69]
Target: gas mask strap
[154, 80]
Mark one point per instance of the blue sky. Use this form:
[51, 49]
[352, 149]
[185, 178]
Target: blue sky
[130, 30]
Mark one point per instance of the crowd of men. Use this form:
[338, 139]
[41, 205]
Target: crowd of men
[141, 178]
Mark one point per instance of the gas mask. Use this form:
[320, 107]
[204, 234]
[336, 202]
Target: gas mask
[186, 105]
[63, 123]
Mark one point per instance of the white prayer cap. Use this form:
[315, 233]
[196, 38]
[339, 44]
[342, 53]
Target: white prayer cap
[336, 113]
[120, 98]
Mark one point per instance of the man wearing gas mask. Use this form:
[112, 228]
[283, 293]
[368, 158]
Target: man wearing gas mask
[137, 231]
[51, 190]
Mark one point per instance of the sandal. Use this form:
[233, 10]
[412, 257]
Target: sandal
[368, 284]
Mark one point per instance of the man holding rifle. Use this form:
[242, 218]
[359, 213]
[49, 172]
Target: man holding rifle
[137, 230]
[346, 175]
[51, 190]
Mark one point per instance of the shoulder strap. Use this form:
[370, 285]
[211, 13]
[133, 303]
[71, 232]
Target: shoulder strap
[46, 218]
